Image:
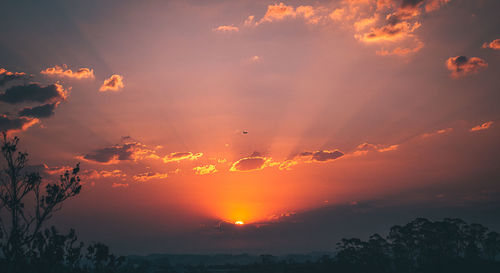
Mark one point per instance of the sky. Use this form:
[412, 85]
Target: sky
[307, 121]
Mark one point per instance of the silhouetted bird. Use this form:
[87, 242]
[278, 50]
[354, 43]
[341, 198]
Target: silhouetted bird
[245, 132]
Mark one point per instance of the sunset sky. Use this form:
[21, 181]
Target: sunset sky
[308, 121]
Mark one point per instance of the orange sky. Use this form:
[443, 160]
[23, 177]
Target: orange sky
[342, 102]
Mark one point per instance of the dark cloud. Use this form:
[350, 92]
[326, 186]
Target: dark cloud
[249, 164]
[111, 154]
[7, 76]
[43, 111]
[129, 150]
[411, 3]
[14, 124]
[33, 93]
[323, 155]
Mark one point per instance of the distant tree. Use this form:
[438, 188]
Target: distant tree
[26, 203]
[450, 245]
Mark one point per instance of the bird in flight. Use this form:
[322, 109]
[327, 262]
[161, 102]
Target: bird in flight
[245, 132]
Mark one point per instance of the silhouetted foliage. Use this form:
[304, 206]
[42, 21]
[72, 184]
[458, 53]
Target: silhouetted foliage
[26, 204]
[424, 246]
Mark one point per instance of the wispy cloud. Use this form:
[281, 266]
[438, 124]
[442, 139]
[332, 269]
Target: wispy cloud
[230, 28]
[64, 71]
[144, 177]
[482, 126]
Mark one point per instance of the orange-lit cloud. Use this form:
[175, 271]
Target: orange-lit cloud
[402, 51]
[495, 44]
[389, 32]
[280, 11]
[230, 28]
[113, 173]
[481, 127]
[251, 163]
[64, 71]
[178, 156]
[383, 21]
[438, 132]
[113, 83]
[144, 177]
[461, 66]
[364, 148]
[119, 185]
[432, 5]
[207, 169]
[337, 14]
[287, 165]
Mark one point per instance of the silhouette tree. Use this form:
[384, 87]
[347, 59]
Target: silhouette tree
[28, 203]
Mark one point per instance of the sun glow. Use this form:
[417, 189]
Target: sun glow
[239, 223]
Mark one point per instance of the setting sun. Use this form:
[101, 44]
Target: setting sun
[239, 223]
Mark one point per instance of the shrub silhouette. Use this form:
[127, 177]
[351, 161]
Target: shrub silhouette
[26, 204]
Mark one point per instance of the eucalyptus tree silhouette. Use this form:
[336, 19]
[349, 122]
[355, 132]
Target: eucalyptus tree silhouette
[26, 203]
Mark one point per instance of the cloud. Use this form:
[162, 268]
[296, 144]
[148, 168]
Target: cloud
[337, 14]
[322, 156]
[461, 66]
[34, 92]
[7, 76]
[230, 28]
[255, 59]
[495, 44]
[43, 111]
[129, 150]
[86, 173]
[438, 132]
[287, 165]
[365, 148]
[10, 125]
[481, 127]
[133, 150]
[82, 73]
[207, 169]
[112, 173]
[178, 156]
[144, 177]
[433, 5]
[279, 12]
[390, 32]
[119, 185]
[251, 163]
[114, 83]
[402, 51]
[111, 155]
